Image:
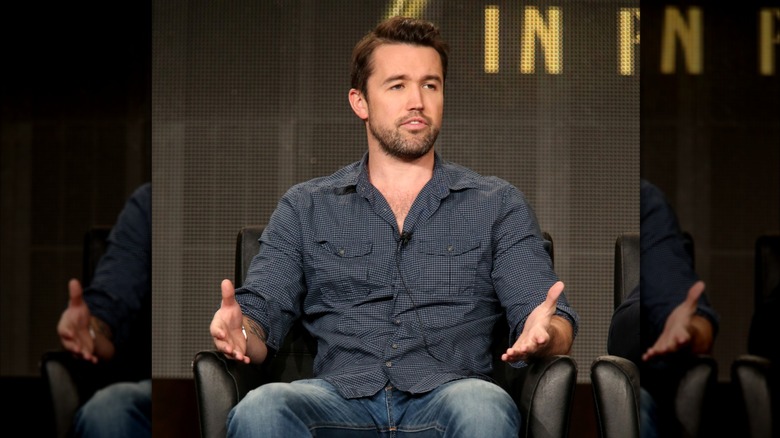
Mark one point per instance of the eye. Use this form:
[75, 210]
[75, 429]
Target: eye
[396, 86]
[430, 86]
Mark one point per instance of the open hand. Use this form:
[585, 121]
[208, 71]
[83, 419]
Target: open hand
[677, 329]
[536, 332]
[73, 327]
[226, 327]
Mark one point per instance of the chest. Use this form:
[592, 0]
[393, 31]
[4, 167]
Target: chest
[400, 200]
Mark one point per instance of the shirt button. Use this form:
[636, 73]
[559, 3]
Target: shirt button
[394, 346]
[388, 364]
[341, 251]
[449, 248]
[397, 322]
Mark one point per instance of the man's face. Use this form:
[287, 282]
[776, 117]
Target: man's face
[405, 99]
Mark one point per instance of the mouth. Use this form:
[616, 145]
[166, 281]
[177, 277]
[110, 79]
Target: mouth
[415, 123]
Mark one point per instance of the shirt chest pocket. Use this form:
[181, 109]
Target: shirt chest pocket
[449, 267]
[342, 268]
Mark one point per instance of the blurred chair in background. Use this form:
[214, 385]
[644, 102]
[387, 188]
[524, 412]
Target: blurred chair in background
[614, 376]
[754, 375]
[100, 385]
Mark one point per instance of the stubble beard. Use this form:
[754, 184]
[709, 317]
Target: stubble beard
[393, 143]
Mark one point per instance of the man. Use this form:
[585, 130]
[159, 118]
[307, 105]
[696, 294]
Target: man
[399, 265]
[672, 313]
[110, 323]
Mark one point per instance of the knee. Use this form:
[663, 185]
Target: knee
[120, 409]
[265, 398]
[259, 412]
[118, 397]
[482, 402]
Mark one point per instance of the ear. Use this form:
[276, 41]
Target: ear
[358, 103]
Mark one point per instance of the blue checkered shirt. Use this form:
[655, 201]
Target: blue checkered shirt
[415, 313]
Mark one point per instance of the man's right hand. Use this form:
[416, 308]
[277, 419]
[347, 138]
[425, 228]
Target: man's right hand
[73, 327]
[226, 326]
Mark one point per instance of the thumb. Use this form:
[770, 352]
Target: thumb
[552, 295]
[694, 293]
[75, 292]
[228, 293]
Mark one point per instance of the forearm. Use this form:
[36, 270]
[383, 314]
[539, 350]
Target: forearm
[561, 337]
[103, 338]
[702, 335]
[256, 349]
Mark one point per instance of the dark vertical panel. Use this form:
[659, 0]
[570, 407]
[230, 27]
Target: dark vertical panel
[711, 141]
[76, 126]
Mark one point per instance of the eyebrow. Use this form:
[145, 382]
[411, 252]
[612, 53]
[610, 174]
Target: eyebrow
[394, 78]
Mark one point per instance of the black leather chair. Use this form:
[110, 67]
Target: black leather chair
[754, 375]
[72, 381]
[696, 389]
[615, 379]
[543, 391]
[697, 378]
[750, 378]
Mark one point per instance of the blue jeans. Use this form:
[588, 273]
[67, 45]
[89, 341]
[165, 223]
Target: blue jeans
[461, 408]
[119, 410]
[648, 415]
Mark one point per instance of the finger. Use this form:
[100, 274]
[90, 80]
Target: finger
[656, 349]
[71, 345]
[66, 334]
[217, 333]
[230, 351]
[541, 338]
[86, 351]
[224, 346]
[75, 292]
[521, 348]
[681, 339]
[552, 295]
[511, 356]
[694, 293]
[228, 293]
[652, 351]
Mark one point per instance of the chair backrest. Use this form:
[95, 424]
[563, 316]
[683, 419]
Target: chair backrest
[295, 359]
[94, 246]
[761, 340]
[689, 247]
[626, 274]
[72, 381]
[767, 268]
[627, 263]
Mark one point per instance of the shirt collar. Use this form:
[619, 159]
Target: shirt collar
[447, 176]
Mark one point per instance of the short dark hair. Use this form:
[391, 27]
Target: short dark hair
[396, 30]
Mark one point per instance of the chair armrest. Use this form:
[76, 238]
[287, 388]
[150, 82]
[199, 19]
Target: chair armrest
[220, 383]
[71, 381]
[693, 392]
[616, 393]
[544, 391]
[60, 375]
[750, 377]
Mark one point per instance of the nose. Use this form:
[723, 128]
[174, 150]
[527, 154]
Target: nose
[415, 97]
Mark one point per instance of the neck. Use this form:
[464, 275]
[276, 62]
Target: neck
[388, 171]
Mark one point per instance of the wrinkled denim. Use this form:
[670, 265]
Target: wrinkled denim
[462, 408]
[119, 410]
